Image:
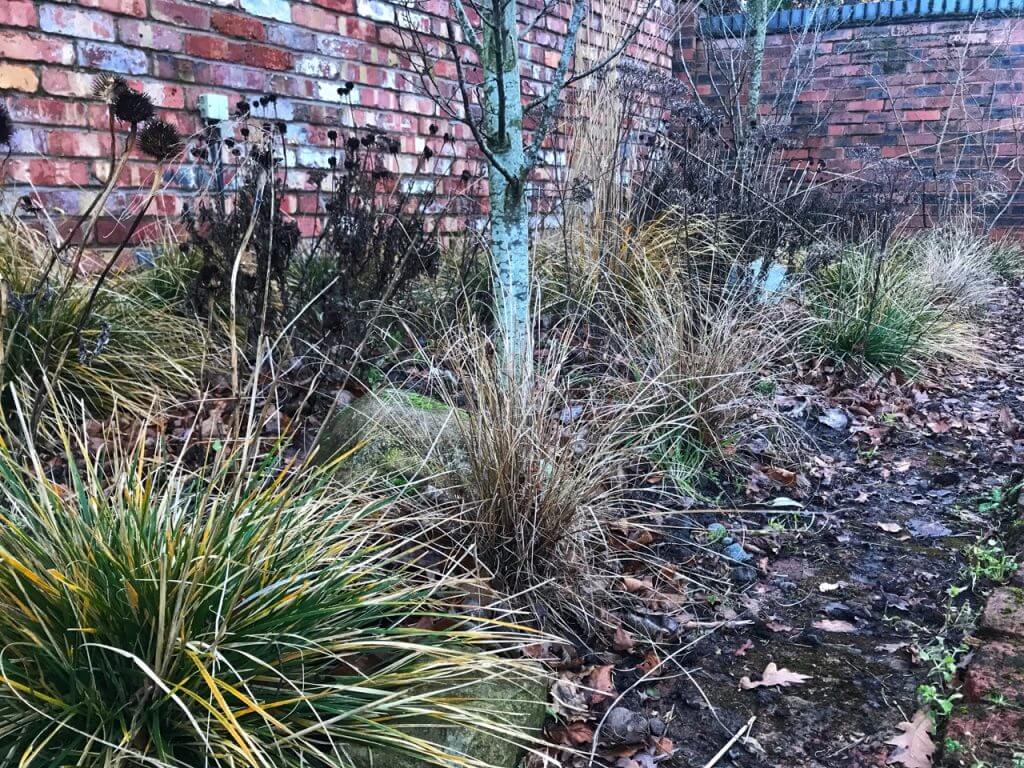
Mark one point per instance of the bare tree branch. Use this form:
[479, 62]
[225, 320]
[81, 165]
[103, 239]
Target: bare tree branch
[467, 106]
[558, 83]
[614, 54]
[472, 39]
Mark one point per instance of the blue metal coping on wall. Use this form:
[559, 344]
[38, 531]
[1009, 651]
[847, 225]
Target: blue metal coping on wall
[884, 12]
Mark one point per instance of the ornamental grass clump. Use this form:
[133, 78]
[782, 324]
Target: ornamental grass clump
[250, 613]
[531, 482]
[123, 341]
[695, 342]
[902, 309]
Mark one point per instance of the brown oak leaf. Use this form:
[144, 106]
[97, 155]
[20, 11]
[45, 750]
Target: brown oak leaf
[773, 676]
[914, 747]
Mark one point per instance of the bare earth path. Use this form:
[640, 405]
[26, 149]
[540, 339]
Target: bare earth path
[869, 587]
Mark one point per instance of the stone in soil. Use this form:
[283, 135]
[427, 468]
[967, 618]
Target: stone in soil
[1004, 613]
[997, 669]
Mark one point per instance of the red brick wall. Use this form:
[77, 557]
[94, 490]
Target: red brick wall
[941, 93]
[177, 50]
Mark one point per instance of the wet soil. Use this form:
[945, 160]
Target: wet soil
[849, 588]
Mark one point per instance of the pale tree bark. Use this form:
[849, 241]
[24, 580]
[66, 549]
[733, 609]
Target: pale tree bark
[757, 13]
[493, 30]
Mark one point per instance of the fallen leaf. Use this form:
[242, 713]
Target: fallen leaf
[742, 650]
[891, 647]
[914, 747]
[569, 700]
[826, 586]
[623, 641]
[650, 662]
[781, 476]
[600, 683]
[573, 734]
[834, 418]
[890, 527]
[773, 676]
[834, 625]
[633, 585]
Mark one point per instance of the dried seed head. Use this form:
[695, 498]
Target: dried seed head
[6, 125]
[108, 87]
[133, 107]
[332, 135]
[160, 140]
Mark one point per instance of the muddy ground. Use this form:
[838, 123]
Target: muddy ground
[849, 588]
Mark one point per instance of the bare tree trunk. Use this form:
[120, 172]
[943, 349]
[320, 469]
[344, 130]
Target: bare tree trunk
[757, 15]
[508, 169]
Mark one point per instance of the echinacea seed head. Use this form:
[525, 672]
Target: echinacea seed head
[160, 140]
[108, 87]
[6, 125]
[133, 107]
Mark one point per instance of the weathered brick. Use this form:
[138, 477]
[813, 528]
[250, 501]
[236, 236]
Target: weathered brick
[238, 25]
[315, 18]
[376, 10]
[75, 22]
[20, 13]
[28, 47]
[269, 9]
[338, 6]
[178, 13]
[123, 7]
[1004, 613]
[143, 34]
[997, 669]
[112, 58]
[16, 77]
[265, 57]
[212, 47]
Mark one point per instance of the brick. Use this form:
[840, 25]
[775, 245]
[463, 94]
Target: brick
[338, 6]
[25, 47]
[980, 729]
[49, 172]
[238, 25]
[922, 115]
[1004, 613]
[997, 669]
[269, 9]
[376, 10]
[75, 22]
[113, 58]
[16, 77]
[315, 18]
[180, 14]
[865, 105]
[78, 144]
[212, 47]
[20, 13]
[143, 34]
[265, 57]
[122, 7]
